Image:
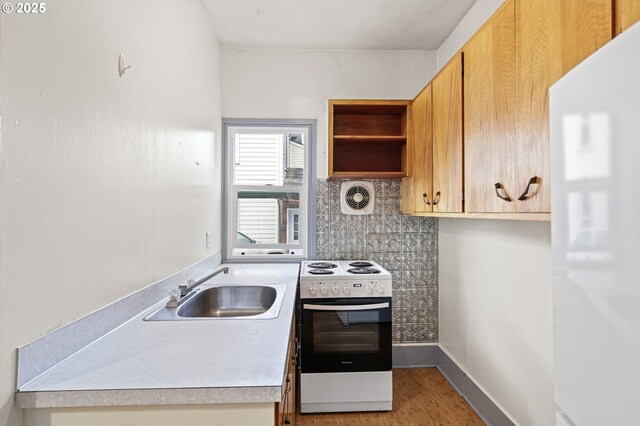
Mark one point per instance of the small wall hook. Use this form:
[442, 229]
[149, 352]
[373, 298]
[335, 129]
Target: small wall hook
[121, 67]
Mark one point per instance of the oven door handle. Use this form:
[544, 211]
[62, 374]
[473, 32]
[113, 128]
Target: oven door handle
[345, 307]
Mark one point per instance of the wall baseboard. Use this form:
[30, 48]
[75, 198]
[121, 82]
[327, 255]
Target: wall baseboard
[414, 356]
[43, 353]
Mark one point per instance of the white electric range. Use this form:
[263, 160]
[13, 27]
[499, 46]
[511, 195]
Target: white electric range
[345, 336]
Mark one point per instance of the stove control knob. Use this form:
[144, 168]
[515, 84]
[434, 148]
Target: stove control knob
[312, 290]
[346, 289]
[324, 290]
[380, 289]
[369, 289]
[335, 289]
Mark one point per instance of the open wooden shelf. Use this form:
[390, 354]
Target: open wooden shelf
[368, 139]
[372, 138]
[367, 175]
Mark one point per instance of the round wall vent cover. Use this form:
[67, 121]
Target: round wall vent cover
[356, 197]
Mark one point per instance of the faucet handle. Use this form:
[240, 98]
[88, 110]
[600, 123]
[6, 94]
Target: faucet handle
[174, 298]
[186, 287]
[174, 294]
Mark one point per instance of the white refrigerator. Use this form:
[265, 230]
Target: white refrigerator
[595, 166]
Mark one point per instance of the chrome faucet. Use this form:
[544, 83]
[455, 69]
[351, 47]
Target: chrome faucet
[188, 285]
[185, 291]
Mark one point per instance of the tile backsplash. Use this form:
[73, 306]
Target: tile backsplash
[407, 246]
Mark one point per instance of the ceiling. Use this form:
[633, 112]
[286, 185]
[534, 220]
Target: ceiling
[336, 24]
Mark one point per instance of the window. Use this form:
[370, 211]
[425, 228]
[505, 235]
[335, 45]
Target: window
[293, 226]
[267, 190]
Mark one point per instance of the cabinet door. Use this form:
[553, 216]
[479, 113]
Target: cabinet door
[489, 114]
[290, 410]
[627, 14]
[552, 37]
[423, 146]
[286, 408]
[586, 26]
[447, 138]
[406, 195]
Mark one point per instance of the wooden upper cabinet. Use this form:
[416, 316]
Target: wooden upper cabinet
[406, 195]
[627, 13]
[497, 90]
[489, 114]
[510, 63]
[586, 26]
[447, 138]
[369, 139]
[552, 37]
[422, 151]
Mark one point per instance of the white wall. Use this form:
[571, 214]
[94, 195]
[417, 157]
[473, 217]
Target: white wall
[495, 311]
[106, 183]
[263, 83]
[469, 24]
[495, 293]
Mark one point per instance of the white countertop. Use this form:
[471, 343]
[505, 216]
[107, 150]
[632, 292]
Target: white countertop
[178, 362]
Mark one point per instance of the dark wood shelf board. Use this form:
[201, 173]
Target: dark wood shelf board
[369, 107]
[367, 138]
[367, 175]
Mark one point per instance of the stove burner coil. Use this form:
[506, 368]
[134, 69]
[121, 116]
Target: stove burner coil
[322, 265]
[361, 264]
[363, 271]
[320, 272]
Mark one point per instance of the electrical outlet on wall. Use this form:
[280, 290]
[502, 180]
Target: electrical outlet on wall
[207, 238]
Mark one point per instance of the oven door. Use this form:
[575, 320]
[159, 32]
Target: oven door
[346, 335]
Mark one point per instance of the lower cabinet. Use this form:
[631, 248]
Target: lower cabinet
[286, 408]
[154, 415]
[232, 414]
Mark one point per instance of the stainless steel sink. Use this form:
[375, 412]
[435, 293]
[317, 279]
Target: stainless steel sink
[229, 301]
[226, 302]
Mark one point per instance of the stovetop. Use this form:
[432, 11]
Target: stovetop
[344, 278]
[343, 269]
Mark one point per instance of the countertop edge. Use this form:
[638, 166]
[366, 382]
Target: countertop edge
[129, 397]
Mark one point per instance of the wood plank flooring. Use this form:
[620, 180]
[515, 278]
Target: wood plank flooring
[421, 396]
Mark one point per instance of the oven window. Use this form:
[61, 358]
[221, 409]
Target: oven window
[346, 332]
[340, 335]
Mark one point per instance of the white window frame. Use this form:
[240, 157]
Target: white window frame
[306, 245]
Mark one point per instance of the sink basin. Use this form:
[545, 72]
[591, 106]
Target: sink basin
[239, 301]
[229, 301]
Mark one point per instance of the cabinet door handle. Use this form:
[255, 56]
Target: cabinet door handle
[499, 187]
[533, 181]
[425, 198]
[436, 198]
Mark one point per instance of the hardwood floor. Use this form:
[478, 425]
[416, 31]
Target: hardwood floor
[421, 396]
